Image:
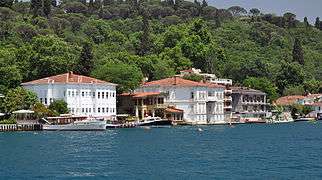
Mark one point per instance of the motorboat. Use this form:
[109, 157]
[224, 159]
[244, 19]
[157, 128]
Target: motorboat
[154, 121]
[84, 125]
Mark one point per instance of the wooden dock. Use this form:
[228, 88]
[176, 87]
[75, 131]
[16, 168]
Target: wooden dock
[20, 127]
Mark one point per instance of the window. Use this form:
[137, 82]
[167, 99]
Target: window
[73, 93]
[86, 110]
[106, 96]
[40, 100]
[89, 110]
[83, 110]
[68, 93]
[107, 109]
[93, 94]
[103, 110]
[45, 100]
[98, 95]
[83, 94]
[93, 110]
[192, 95]
[99, 110]
[103, 95]
[77, 93]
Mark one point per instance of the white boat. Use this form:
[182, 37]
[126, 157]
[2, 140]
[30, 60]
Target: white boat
[154, 121]
[85, 125]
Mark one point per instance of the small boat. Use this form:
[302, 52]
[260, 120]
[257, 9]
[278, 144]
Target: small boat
[84, 125]
[154, 121]
[305, 119]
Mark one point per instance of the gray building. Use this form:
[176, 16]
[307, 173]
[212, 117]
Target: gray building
[249, 102]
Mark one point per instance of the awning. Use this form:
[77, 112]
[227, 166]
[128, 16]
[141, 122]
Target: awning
[23, 112]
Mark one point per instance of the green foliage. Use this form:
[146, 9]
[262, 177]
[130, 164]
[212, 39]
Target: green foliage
[264, 85]
[128, 77]
[298, 52]
[294, 90]
[193, 77]
[17, 99]
[42, 111]
[11, 120]
[57, 107]
[157, 39]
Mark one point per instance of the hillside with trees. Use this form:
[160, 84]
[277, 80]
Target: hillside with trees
[125, 41]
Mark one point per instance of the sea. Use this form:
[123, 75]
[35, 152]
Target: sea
[248, 151]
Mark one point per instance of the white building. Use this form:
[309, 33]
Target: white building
[84, 95]
[202, 103]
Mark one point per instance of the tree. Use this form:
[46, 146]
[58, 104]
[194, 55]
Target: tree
[306, 22]
[17, 99]
[51, 56]
[75, 7]
[298, 52]
[317, 23]
[85, 64]
[42, 111]
[127, 76]
[54, 3]
[6, 3]
[291, 74]
[204, 4]
[47, 7]
[254, 11]
[36, 7]
[193, 77]
[59, 107]
[145, 43]
[237, 10]
[290, 19]
[294, 90]
[264, 85]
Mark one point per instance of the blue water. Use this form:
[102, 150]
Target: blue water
[276, 151]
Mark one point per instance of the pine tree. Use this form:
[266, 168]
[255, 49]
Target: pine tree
[47, 7]
[6, 3]
[54, 3]
[36, 7]
[298, 52]
[317, 22]
[91, 5]
[83, 2]
[97, 4]
[85, 64]
[204, 3]
[306, 22]
[145, 37]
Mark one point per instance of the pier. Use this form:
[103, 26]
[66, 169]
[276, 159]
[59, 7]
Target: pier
[20, 127]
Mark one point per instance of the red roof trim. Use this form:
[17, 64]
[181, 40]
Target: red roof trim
[177, 81]
[67, 78]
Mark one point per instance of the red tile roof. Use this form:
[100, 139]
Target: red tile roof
[172, 109]
[177, 81]
[288, 100]
[67, 78]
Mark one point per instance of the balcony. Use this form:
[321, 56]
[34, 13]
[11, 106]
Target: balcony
[222, 81]
[228, 98]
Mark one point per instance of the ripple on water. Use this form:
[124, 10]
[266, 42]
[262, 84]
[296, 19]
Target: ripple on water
[288, 151]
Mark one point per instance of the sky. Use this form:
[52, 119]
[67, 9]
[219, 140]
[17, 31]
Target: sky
[302, 8]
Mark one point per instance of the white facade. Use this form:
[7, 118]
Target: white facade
[88, 99]
[201, 105]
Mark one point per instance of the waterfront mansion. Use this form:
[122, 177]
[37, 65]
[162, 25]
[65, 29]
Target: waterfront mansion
[200, 103]
[84, 95]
